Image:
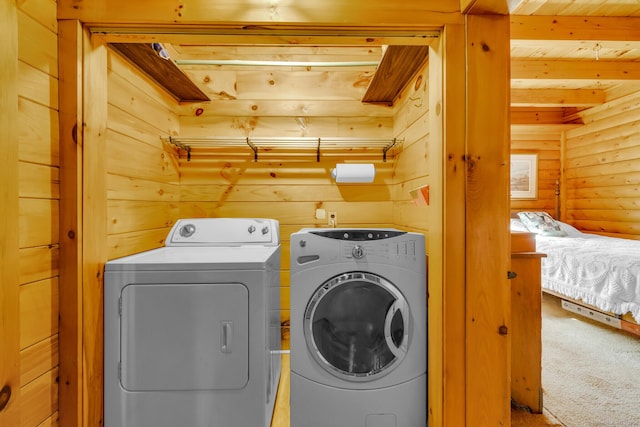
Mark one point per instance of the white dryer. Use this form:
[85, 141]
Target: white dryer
[192, 330]
[358, 328]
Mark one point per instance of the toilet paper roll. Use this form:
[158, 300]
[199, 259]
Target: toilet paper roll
[354, 172]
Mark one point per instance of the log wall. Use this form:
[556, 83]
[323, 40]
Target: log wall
[39, 198]
[601, 169]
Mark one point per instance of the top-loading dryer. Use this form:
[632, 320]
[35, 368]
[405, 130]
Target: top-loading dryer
[358, 328]
[192, 329]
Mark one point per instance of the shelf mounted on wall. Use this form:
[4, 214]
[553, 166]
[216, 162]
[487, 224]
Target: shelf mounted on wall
[293, 145]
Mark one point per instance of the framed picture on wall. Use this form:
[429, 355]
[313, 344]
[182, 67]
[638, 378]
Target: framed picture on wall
[524, 176]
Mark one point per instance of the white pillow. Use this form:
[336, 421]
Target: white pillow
[517, 225]
[569, 229]
[541, 223]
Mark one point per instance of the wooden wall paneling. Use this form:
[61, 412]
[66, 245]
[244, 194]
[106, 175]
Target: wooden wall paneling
[39, 192]
[38, 45]
[38, 222]
[38, 311]
[131, 158]
[301, 85]
[136, 96]
[129, 243]
[130, 216]
[9, 212]
[39, 399]
[130, 188]
[38, 86]
[287, 108]
[303, 213]
[94, 222]
[278, 173]
[39, 181]
[487, 204]
[267, 126]
[143, 177]
[39, 263]
[38, 133]
[414, 12]
[38, 358]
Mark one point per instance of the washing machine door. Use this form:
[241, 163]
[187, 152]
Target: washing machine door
[357, 326]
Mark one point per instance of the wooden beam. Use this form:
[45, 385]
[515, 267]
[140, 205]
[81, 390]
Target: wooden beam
[94, 223]
[487, 239]
[295, 36]
[350, 13]
[575, 28]
[70, 293]
[9, 212]
[585, 70]
[557, 97]
[447, 322]
[481, 7]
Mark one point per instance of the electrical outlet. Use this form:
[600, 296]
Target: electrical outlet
[333, 219]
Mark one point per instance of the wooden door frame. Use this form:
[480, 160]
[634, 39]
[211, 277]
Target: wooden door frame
[466, 153]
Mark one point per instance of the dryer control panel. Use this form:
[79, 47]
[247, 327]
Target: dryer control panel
[224, 232]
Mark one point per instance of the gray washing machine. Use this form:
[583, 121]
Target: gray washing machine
[358, 328]
[192, 329]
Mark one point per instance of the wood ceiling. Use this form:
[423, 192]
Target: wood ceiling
[567, 55]
[574, 54]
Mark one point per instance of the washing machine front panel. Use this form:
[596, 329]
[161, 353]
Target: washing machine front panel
[184, 337]
[356, 326]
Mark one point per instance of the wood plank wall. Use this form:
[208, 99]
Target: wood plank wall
[601, 169]
[39, 211]
[142, 170]
[411, 123]
[289, 187]
[540, 132]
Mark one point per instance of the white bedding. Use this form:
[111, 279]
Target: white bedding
[601, 271]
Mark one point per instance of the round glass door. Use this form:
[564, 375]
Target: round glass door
[357, 326]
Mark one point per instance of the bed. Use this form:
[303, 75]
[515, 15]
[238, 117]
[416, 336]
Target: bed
[587, 269]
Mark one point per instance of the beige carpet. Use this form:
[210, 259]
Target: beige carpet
[590, 372]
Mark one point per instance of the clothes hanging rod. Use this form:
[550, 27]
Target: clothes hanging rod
[247, 63]
[310, 143]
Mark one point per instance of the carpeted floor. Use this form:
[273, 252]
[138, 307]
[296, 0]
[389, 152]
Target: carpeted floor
[590, 372]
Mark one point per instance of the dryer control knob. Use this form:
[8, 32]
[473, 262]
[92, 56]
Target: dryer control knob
[187, 230]
[251, 229]
[357, 252]
[265, 229]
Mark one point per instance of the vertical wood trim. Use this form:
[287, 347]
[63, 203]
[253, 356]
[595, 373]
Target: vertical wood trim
[435, 285]
[454, 225]
[70, 328]
[563, 176]
[9, 259]
[487, 225]
[94, 222]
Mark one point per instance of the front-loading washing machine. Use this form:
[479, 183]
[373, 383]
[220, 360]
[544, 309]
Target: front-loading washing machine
[192, 329]
[358, 328]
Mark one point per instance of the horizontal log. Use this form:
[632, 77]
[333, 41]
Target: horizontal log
[584, 70]
[555, 29]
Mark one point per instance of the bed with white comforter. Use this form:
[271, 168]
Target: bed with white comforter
[601, 271]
